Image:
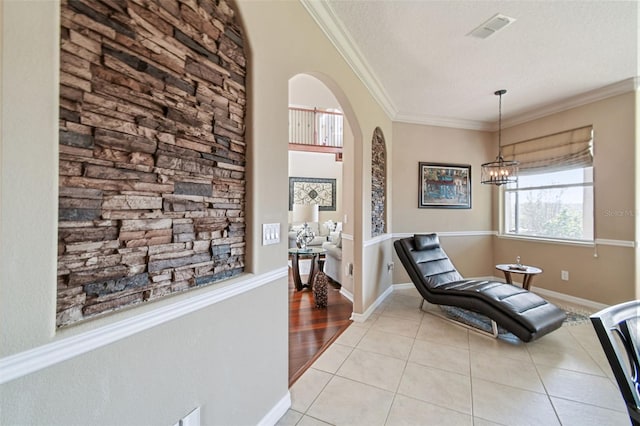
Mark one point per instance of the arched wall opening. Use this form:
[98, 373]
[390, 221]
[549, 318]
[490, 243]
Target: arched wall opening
[313, 92]
[310, 88]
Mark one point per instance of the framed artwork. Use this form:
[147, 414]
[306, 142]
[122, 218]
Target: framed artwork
[313, 191]
[446, 186]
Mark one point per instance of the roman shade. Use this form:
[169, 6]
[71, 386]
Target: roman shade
[560, 151]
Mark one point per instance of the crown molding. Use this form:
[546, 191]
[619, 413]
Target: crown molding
[455, 123]
[611, 90]
[334, 30]
[625, 86]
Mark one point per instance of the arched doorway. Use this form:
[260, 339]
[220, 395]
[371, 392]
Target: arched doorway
[317, 155]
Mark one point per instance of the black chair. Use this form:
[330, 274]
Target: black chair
[519, 311]
[618, 328]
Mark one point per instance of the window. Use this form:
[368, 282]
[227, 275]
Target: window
[556, 205]
[553, 197]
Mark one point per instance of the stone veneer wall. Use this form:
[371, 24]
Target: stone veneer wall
[152, 151]
[378, 184]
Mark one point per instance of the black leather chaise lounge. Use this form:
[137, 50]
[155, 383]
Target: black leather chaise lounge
[519, 311]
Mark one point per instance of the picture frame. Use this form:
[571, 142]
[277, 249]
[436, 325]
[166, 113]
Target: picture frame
[444, 186]
[321, 191]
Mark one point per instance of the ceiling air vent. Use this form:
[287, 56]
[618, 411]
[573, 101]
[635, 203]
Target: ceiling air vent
[492, 26]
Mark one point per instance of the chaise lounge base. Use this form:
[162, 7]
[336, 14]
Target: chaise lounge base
[494, 325]
[519, 311]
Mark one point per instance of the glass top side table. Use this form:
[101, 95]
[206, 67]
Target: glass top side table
[314, 254]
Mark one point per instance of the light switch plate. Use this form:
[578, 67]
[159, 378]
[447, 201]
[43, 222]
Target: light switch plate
[270, 233]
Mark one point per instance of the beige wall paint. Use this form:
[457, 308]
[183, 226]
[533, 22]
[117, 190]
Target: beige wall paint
[29, 170]
[606, 279]
[378, 257]
[348, 213]
[472, 254]
[207, 358]
[610, 277]
[613, 121]
[214, 358]
[286, 42]
[415, 143]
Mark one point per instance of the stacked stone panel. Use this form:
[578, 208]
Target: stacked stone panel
[378, 183]
[152, 151]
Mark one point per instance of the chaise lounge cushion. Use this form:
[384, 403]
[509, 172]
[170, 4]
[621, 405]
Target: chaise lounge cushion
[519, 311]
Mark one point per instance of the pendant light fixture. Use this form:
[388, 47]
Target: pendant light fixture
[500, 171]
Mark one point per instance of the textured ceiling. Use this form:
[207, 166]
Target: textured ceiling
[417, 59]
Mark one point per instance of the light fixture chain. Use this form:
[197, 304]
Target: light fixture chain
[500, 172]
[500, 127]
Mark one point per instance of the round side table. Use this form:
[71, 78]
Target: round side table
[527, 271]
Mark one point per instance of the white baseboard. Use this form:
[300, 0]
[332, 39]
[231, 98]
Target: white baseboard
[278, 410]
[346, 293]
[404, 286]
[363, 317]
[569, 299]
[561, 296]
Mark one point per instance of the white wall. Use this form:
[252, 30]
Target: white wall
[319, 165]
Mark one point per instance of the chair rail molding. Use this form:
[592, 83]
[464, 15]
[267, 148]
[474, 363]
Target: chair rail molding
[446, 233]
[597, 241]
[377, 240]
[18, 365]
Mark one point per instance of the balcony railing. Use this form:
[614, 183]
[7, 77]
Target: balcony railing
[315, 127]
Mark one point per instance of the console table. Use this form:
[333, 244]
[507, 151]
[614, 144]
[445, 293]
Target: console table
[308, 253]
[527, 271]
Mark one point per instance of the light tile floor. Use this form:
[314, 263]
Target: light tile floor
[406, 367]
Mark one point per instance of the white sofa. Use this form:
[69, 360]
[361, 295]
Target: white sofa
[320, 237]
[322, 233]
[333, 258]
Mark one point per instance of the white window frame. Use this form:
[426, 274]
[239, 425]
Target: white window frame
[515, 235]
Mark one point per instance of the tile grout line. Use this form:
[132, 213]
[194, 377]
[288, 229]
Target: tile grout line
[404, 369]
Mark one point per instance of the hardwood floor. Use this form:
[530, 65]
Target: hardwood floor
[312, 330]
